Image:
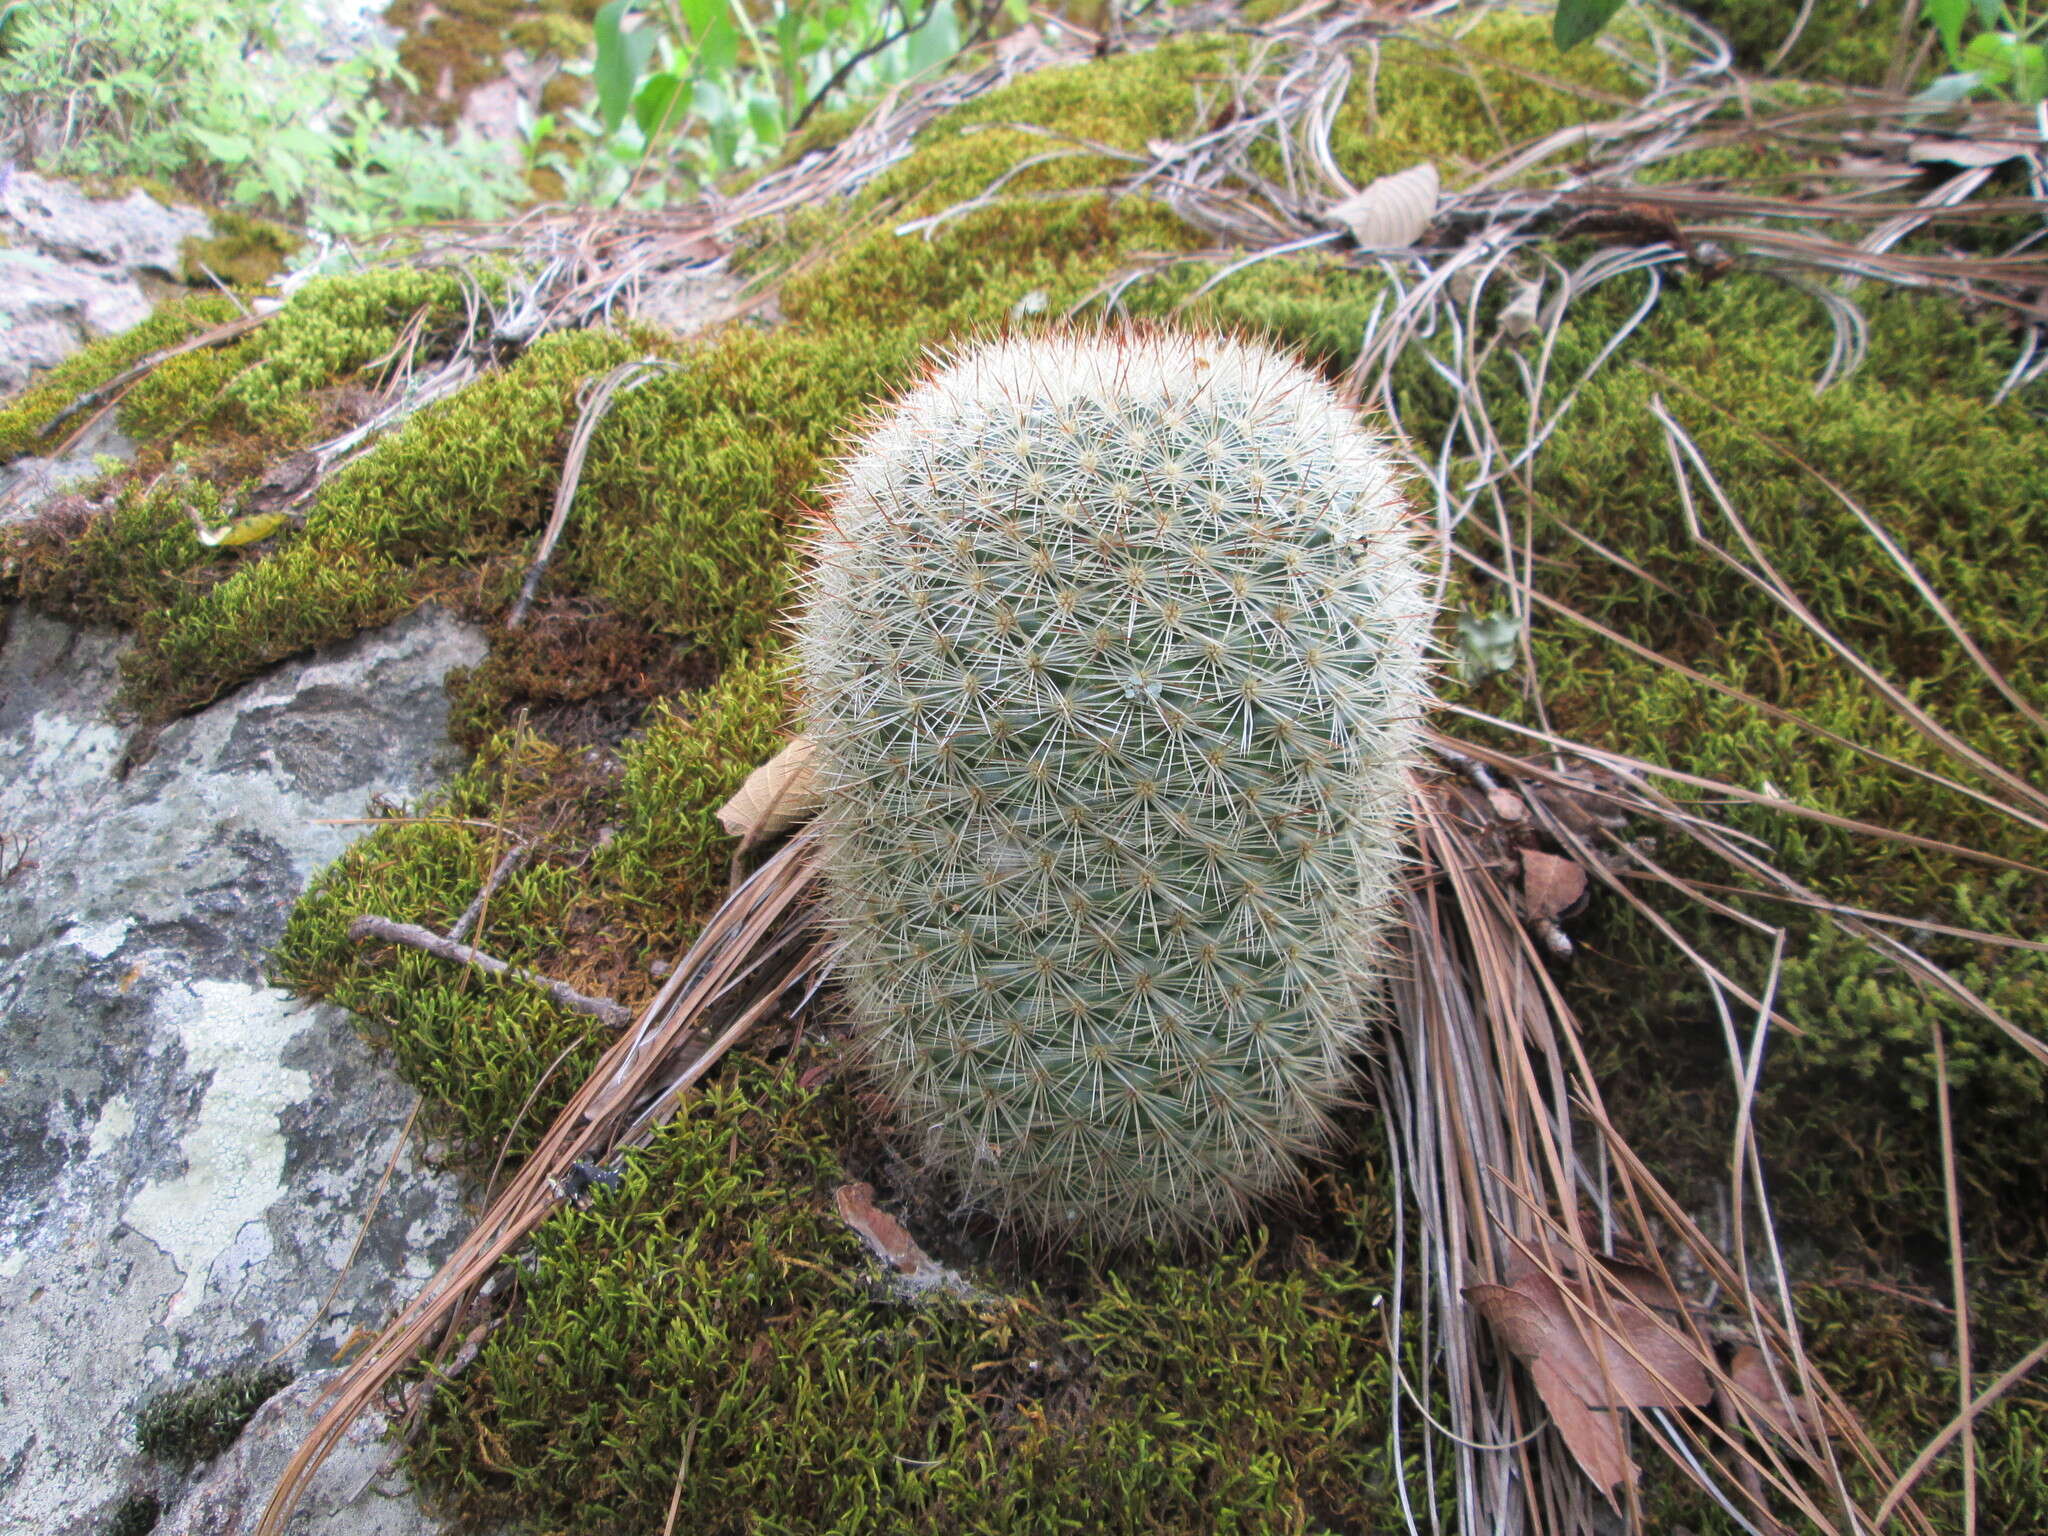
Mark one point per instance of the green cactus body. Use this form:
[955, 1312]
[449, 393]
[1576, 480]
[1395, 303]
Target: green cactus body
[1114, 652]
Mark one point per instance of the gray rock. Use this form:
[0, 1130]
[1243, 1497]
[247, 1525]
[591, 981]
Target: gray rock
[26, 485]
[187, 1154]
[49, 308]
[354, 1491]
[70, 266]
[132, 234]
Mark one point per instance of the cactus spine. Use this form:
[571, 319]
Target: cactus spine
[1114, 652]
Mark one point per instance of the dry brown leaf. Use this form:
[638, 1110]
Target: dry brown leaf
[1507, 805]
[1551, 886]
[1790, 1419]
[1596, 1437]
[915, 1274]
[1391, 212]
[777, 795]
[1586, 1377]
[885, 1236]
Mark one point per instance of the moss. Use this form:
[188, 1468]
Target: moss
[334, 326]
[138, 558]
[23, 418]
[669, 856]
[135, 1515]
[1962, 485]
[245, 251]
[1459, 101]
[1843, 40]
[199, 1420]
[713, 1311]
[1895, 1357]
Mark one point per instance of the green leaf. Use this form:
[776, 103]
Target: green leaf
[702, 16]
[13, 23]
[621, 57]
[718, 49]
[661, 103]
[1579, 20]
[1991, 55]
[2029, 73]
[764, 116]
[225, 148]
[1989, 12]
[1947, 17]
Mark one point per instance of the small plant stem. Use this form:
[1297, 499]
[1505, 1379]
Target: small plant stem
[1961, 1283]
[621, 377]
[500, 873]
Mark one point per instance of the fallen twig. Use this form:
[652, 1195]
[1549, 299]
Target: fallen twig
[100, 400]
[601, 1008]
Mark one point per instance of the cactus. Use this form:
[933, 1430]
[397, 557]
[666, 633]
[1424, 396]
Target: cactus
[1113, 650]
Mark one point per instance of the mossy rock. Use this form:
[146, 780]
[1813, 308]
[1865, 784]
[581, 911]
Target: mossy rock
[244, 251]
[711, 1308]
[197, 1421]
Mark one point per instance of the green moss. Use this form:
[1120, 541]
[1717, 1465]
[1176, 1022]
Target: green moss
[332, 327]
[1843, 40]
[245, 251]
[1846, 1105]
[1896, 1360]
[669, 857]
[619, 863]
[714, 1310]
[23, 418]
[1460, 101]
[135, 1515]
[199, 1420]
[137, 559]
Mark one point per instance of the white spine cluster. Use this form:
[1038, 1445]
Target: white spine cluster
[1114, 653]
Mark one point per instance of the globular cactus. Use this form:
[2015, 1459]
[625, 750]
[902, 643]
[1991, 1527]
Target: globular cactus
[1114, 655]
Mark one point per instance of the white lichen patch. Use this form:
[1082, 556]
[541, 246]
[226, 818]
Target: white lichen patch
[100, 940]
[235, 1035]
[62, 742]
[115, 1123]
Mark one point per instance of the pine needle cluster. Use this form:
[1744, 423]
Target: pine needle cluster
[1114, 652]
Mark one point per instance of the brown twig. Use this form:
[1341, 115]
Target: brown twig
[425, 939]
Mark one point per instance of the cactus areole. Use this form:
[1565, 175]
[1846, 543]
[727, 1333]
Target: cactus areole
[1114, 653]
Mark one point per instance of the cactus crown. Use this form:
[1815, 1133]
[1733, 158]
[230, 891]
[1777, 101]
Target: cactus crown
[1114, 652]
